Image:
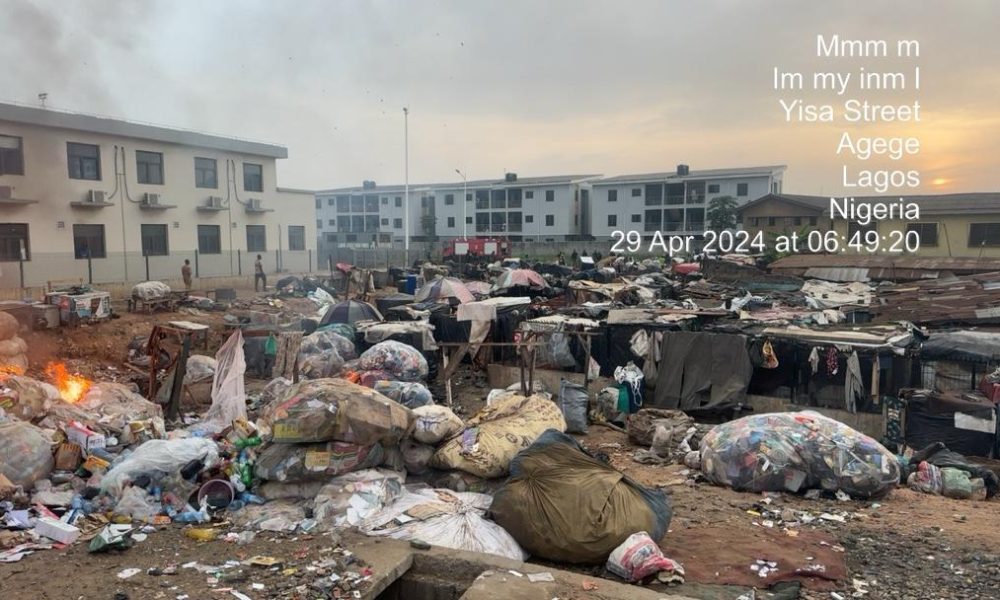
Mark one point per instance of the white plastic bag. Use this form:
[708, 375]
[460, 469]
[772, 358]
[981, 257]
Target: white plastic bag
[457, 522]
[350, 499]
[136, 503]
[434, 423]
[150, 290]
[159, 458]
[199, 368]
[229, 400]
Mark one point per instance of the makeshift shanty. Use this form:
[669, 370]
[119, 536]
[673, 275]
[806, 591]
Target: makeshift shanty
[444, 288]
[514, 279]
[350, 311]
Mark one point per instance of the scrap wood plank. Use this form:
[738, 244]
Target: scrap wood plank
[453, 361]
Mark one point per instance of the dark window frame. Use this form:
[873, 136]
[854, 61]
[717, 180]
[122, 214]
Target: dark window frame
[449, 199]
[637, 218]
[529, 194]
[251, 178]
[206, 243]
[397, 223]
[636, 192]
[201, 173]
[149, 167]
[149, 233]
[550, 195]
[97, 233]
[984, 235]
[742, 189]
[713, 188]
[451, 221]
[252, 232]
[12, 160]
[919, 227]
[297, 238]
[612, 220]
[77, 163]
[550, 220]
[612, 195]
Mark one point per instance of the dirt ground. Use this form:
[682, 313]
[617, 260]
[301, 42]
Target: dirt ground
[907, 546]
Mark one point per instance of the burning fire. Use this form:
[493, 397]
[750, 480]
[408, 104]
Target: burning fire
[71, 387]
[8, 370]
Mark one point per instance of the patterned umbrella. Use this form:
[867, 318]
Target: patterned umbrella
[350, 311]
[444, 288]
[525, 278]
[479, 288]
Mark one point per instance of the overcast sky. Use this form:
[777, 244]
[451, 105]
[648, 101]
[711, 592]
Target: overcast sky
[536, 87]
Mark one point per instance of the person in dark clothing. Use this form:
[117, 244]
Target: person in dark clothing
[258, 274]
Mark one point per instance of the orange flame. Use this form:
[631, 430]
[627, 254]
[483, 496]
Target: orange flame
[8, 370]
[71, 387]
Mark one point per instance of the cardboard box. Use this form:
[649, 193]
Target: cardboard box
[68, 456]
[54, 529]
[79, 434]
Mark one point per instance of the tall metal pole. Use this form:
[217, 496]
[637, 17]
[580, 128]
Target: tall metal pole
[406, 185]
[465, 204]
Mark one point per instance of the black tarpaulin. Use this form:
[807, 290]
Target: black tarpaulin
[702, 369]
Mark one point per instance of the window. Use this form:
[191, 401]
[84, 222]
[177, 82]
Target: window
[984, 234]
[331, 201]
[296, 237]
[771, 221]
[14, 237]
[399, 202]
[529, 218]
[319, 203]
[11, 155]
[343, 204]
[813, 220]
[550, 195]
[206, 175]
[853, 228]
[612, 220]
[154, 240]
[256, 238]
[798, 220]
[209, 239]
[385, 222]
[397, 223]
[343, 223]
[637, 218]
[612, 195]
[449, 199]
[319, 223]
[84, 161]
[330, 222]
[636, 192]
[253, 177]
[88, 240]
[149, 167]
[928, 232]
[357, 204]
[529, 194]
[451, 221]
[385, 201]
[468, 197]
[550, 220]
[742, 189]
[468, 220]
[713, 188]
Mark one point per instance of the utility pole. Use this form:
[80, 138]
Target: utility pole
[406, 185]
[465, 204]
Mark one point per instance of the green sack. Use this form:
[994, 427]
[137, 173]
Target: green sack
[271, 346]
[623, 400]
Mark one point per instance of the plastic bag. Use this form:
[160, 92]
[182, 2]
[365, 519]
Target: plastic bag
[435, 423]
[350, 499]
[229, 400]
[642, 425]
[795, 451]
[26, 398]
[559, 353]
[409, 394]
[320, 366]
[335, 409]
[403, 361]
[116, 407]
[497, 433]
[321, 341]
[137, 504]
[150, 290]
[955, 484]
[416, 457]
[639, 557]
[926, 479]
[344, 329]
[199, 368]
[158, 459]
[573, 401]
[302, 462]
[454, 520]
[25, 453]
[563, 505]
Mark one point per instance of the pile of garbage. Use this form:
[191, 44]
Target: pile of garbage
[13, 349]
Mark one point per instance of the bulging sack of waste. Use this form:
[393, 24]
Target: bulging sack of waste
[403, 361]
[25, 453]
[118, 407]
[640, 557]
[574, 401]
[497, 433]
[158, 459]
[349, 499]
[433, 423]
[335, 409]
[320, 342]
[416, 456]
[8, 325]
[562, 504]
[26, 398]
[150, 290]
[305, 462]
[409, 394]
[796, 451]
[320, 366]
[444, 518]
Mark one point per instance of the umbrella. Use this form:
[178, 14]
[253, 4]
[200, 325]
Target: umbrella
[444, 288]
[479, 288]
[350, 311]
[525, 278]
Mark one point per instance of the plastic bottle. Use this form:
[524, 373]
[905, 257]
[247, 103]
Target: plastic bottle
[236, 505]
[191, 516]
[252, 498]
[248, 442]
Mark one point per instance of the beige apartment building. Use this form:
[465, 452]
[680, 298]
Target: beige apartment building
[94, 199]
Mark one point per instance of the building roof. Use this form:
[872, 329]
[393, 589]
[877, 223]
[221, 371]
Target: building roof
[931, 204]
[58, 119]
[672, 176]
[472, 184]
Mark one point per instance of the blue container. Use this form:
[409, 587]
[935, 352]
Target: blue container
[411, 284]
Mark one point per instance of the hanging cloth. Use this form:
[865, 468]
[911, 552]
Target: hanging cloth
[831, 361]
[876, 376]
[853, 386]
[814, 359]
[770, 358]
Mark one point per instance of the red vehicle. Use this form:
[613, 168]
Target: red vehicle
[495, 248]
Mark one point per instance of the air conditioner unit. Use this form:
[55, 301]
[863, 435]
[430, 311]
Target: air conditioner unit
[95, 196]
[6, 192]
[255, 203]
[214, 202]
[151, 199]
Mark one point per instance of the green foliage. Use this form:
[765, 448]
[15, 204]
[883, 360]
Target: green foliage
[721, 213]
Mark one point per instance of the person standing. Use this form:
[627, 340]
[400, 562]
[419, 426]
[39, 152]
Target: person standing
[186, 274]
[258, 274]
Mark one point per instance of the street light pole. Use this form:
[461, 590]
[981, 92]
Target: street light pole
[406, 186]
[465, 205]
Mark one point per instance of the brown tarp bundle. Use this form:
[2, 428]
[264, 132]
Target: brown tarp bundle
[563, 505]
[702, 369]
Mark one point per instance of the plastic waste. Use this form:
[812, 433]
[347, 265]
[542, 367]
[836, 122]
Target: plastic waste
[350, 499]
[160, 458]
[303, 462]
[639, 557]
[25, 453]
[202, 534]
[409, 394]
[199, 368]
[574, 402]
[136, 503]
[228, 392]
[416, 456]
[403, 361]
[433, 423]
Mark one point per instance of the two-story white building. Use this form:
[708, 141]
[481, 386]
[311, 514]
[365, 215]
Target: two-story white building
[106, 200]
[673, 202]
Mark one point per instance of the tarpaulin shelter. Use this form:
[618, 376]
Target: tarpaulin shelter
[350, 311]
[519, 278]
[965, 425]
[444, 288]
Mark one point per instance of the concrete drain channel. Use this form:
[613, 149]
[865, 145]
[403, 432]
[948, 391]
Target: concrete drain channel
[434, 578]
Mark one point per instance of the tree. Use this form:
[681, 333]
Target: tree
[721, 213]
